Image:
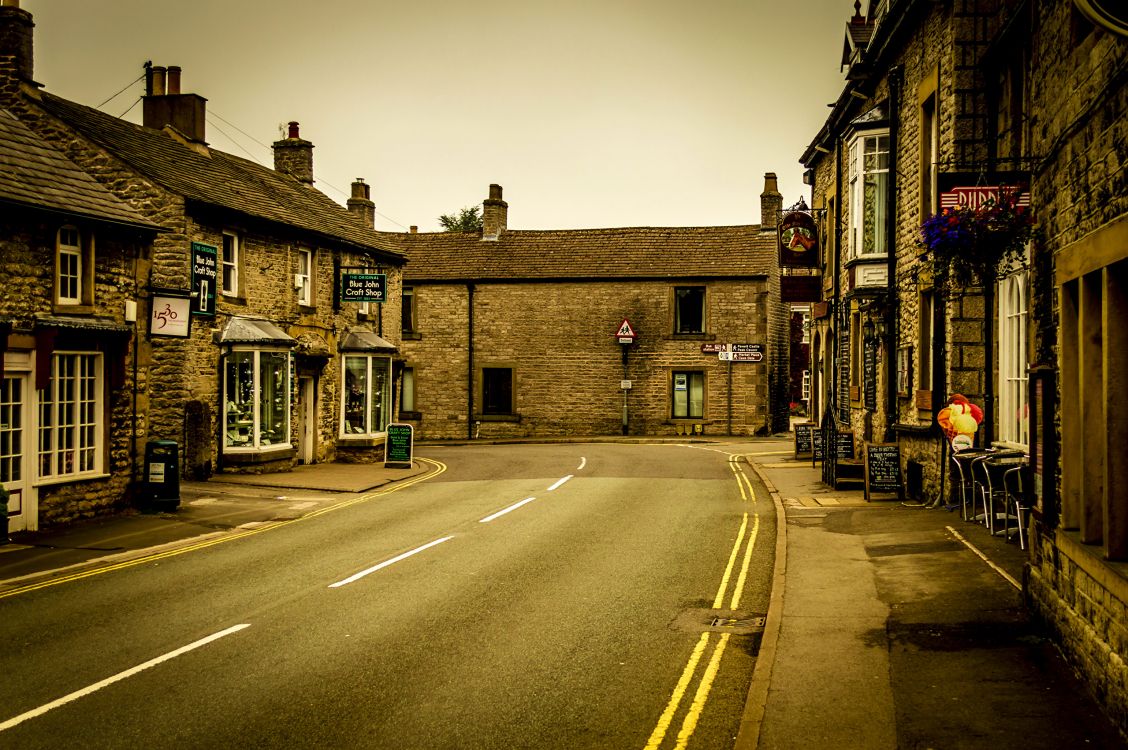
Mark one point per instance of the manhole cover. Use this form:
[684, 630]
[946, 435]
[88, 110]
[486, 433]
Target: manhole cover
[735, 622]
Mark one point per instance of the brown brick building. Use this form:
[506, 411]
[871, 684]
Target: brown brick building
[512, 333]
[242, 350]
[1025, 102]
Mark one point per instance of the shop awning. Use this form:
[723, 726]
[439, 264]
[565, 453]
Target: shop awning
[254, 331]
[364, 340]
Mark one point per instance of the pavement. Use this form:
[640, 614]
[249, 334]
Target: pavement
[890, 625]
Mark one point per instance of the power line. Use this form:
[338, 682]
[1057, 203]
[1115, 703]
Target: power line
[115, 96]
[131, 106]
[235, 142]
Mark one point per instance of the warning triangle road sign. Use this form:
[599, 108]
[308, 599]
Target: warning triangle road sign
[625, 332]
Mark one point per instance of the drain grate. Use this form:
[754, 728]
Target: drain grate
[738, 623]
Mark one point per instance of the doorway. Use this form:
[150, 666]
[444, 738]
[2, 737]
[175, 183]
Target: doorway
[15, 444]
[307, 420]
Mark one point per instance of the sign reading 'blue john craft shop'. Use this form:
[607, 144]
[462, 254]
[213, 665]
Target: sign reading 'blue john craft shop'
[364, 287]
[205, 273]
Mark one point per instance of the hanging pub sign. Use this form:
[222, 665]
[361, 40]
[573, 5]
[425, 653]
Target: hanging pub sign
[798, 241]
[364, 287]
[205, 273]
[971, 190]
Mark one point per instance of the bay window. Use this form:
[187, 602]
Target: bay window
[868, 174]
[367, 395]
[256, 391]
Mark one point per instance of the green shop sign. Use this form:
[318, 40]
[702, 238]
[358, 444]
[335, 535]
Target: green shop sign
[399, 446]
[364, 287]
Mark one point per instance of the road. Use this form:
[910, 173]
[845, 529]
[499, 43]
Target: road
[539, 596]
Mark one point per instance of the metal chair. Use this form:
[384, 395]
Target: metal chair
[1014, 484]
[987, 472]
[961, 468]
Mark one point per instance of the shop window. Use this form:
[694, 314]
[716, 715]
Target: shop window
[689, 309]
[70, 417]
[688, 395]
[257, 398]
[303, 278]
[1014, 407]
[74, 267]
[229, 265]
[868, 171]
[367, 395]
[497, 390]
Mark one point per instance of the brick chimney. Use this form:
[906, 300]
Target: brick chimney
[16, 58]
[771, 203]
[495, 212]
[165, 105]
[361, 202]
[294, 156]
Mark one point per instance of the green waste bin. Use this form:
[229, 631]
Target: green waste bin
[162, 474]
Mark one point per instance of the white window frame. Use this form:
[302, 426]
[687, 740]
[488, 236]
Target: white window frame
[230, 241]
[1014, 396]
[69, 446]
[860, 173]
[303, 279]
[374, 361]
[255, 442]
[68, 252]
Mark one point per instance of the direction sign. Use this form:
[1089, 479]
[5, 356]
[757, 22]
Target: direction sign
[626, 334]
[741, 353]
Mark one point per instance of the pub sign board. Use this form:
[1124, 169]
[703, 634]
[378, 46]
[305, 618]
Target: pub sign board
[364, 287]
[804, 435]
[399, 446]
[205, 275]
[798, 241]
[883, 468]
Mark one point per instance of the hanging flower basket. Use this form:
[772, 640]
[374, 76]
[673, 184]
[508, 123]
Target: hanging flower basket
[970, 245]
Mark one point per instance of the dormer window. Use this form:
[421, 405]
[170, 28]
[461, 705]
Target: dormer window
[868, 173]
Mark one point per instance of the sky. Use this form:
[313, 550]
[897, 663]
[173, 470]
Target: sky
[589, 113]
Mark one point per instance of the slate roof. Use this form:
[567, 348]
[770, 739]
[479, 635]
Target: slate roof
[32, 173]
[219, 179]
[591, 254]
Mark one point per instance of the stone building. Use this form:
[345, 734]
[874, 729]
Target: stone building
[947, 105]
[513, 333]
[68, 394]
[245, 353]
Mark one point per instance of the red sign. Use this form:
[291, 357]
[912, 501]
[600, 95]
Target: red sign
[974, 197]
[798, 241]
[713, 348]
[626, 334]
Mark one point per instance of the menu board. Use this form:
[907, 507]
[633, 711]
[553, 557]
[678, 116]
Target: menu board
[816, 445]
[803, 438]
[883, 468]
[844, 445]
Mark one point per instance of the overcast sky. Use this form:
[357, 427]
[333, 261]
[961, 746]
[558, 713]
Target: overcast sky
[589, 113]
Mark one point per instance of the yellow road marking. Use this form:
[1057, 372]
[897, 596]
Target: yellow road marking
[736, 592]
[689, 724]
[732, 561]
[659, 732]
[736, 476]
[439, 467]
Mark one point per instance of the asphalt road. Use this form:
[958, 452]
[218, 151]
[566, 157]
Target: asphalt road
[539, 596]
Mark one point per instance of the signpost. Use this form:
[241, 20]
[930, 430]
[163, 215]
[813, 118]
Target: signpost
[399, 446]
[626, 337]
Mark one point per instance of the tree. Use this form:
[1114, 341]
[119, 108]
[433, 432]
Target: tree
[468, 219]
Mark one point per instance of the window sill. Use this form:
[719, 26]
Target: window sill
[306, 309]
[411, 336]
[411, 416]
[70, 479]
[864, 259]
[691, 337]
[241, 456]
[361, 441]
[497, 417]
[65, 308]
[234, 299]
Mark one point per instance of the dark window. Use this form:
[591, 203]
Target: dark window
[689, 309]
[497, 390]
[688, 395]
[408, 314]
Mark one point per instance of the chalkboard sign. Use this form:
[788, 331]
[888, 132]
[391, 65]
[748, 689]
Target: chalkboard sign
[816, 445]
[803, 438]
[844, 445]
[399, 446]
[883, 468]
[869, 375]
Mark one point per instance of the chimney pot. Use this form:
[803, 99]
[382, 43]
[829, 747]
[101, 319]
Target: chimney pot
[771, 203]
[495, 214]
[361, 204]
[159, 73]
[292, 130]
[414, 229]
[173, 79]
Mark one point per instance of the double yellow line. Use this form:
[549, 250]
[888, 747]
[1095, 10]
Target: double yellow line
[693, 715]
[437, 466]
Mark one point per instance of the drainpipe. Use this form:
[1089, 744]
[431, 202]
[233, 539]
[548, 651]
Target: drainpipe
[895, 81]
[470, 361]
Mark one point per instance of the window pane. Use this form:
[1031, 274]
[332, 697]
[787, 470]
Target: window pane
[239, 387]
[356, 389]
[407, 390]
[688, 396]
[274, 401]
[230, 263]
[696, 394]
[689, 309]
[408, 314]
[380, 383]
[497, 390]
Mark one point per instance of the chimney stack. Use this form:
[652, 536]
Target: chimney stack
[771, 204]
[16, 58]
[495, 213]
[165, 105]
[294, 156]
[361, 202]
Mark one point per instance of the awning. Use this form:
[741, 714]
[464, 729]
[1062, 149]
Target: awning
[101, 325]
[254, 331]
[364, 340]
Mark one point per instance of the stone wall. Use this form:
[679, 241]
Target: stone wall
[559, 339]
